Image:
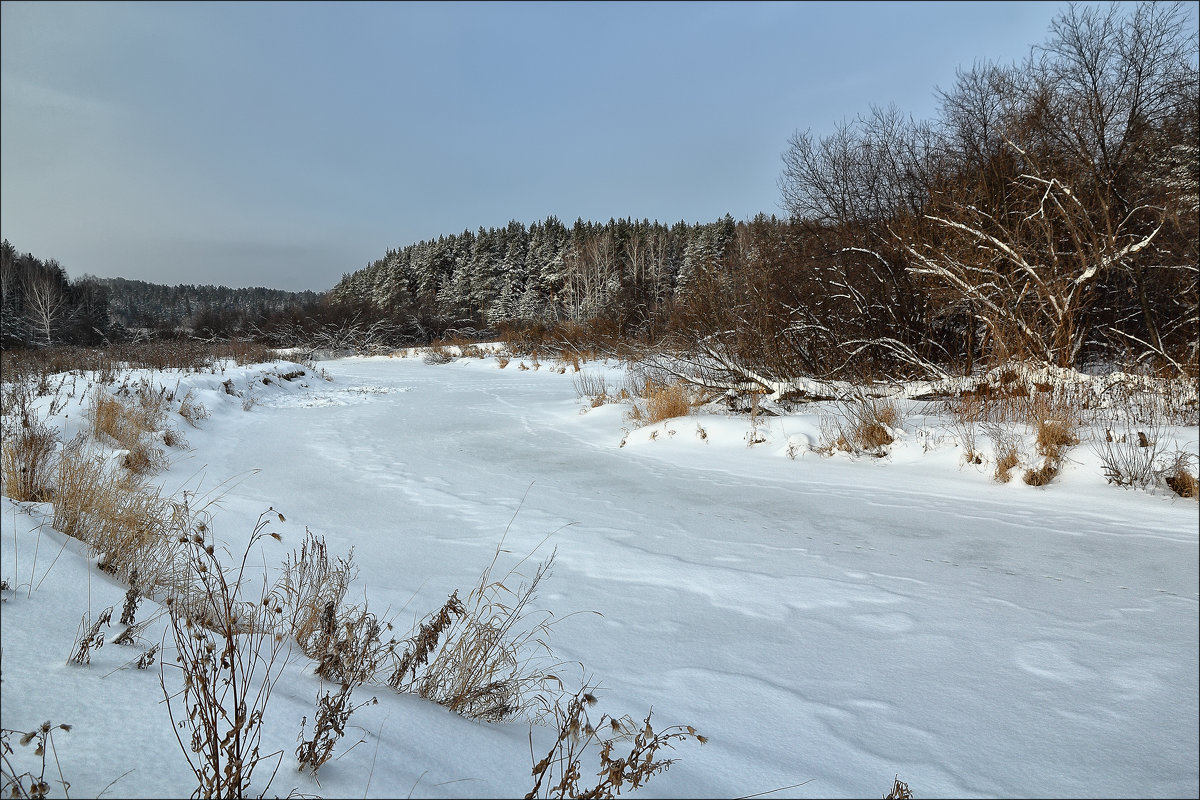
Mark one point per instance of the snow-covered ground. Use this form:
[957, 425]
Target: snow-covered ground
[828, 623]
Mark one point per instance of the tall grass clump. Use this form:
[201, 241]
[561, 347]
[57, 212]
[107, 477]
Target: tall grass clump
[27, 459]
[127, 423]
[662, 400]
[119, 516]
[864, 425]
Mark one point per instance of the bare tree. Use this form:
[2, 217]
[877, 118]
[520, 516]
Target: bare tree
[47, 302]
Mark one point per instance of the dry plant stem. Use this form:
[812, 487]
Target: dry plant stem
[900, 791]
[230, 656]
[89, 637]
[329, 725]
[558, 774]
[25, 784]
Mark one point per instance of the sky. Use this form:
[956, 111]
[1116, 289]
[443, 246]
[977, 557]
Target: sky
[285, 144]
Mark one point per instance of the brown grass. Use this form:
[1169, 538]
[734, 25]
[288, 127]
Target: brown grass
[863, 427]
[1006, 449]
[27, 460]
[1179, 477]
[1043, 474]
[900, 791]
[666, 401]
[119, 515]
[486, 658]
[127, 422]
[191, 410]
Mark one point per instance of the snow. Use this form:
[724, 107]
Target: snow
[828, 623]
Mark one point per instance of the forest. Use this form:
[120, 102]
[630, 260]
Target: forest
[1048, 213]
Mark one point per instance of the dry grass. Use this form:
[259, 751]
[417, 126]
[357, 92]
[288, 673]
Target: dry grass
[312, 587]
[666, 401]
[863, 427]
[1182, 482]
[191, 410]
[558, 774]
[1006, 449]
[900, 791]
[128, 422]
[437, 355]
[1043, 474]
[1056, 424]
[593, 387]
[486, 658]
[118, 515]
[28, 459]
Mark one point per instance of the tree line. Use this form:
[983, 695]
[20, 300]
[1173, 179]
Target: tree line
[40, 306]
[1048, 211]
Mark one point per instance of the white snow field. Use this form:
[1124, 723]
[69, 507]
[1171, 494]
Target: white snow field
[828, 623]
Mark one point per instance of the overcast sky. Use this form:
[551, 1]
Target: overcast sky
[283, 144]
